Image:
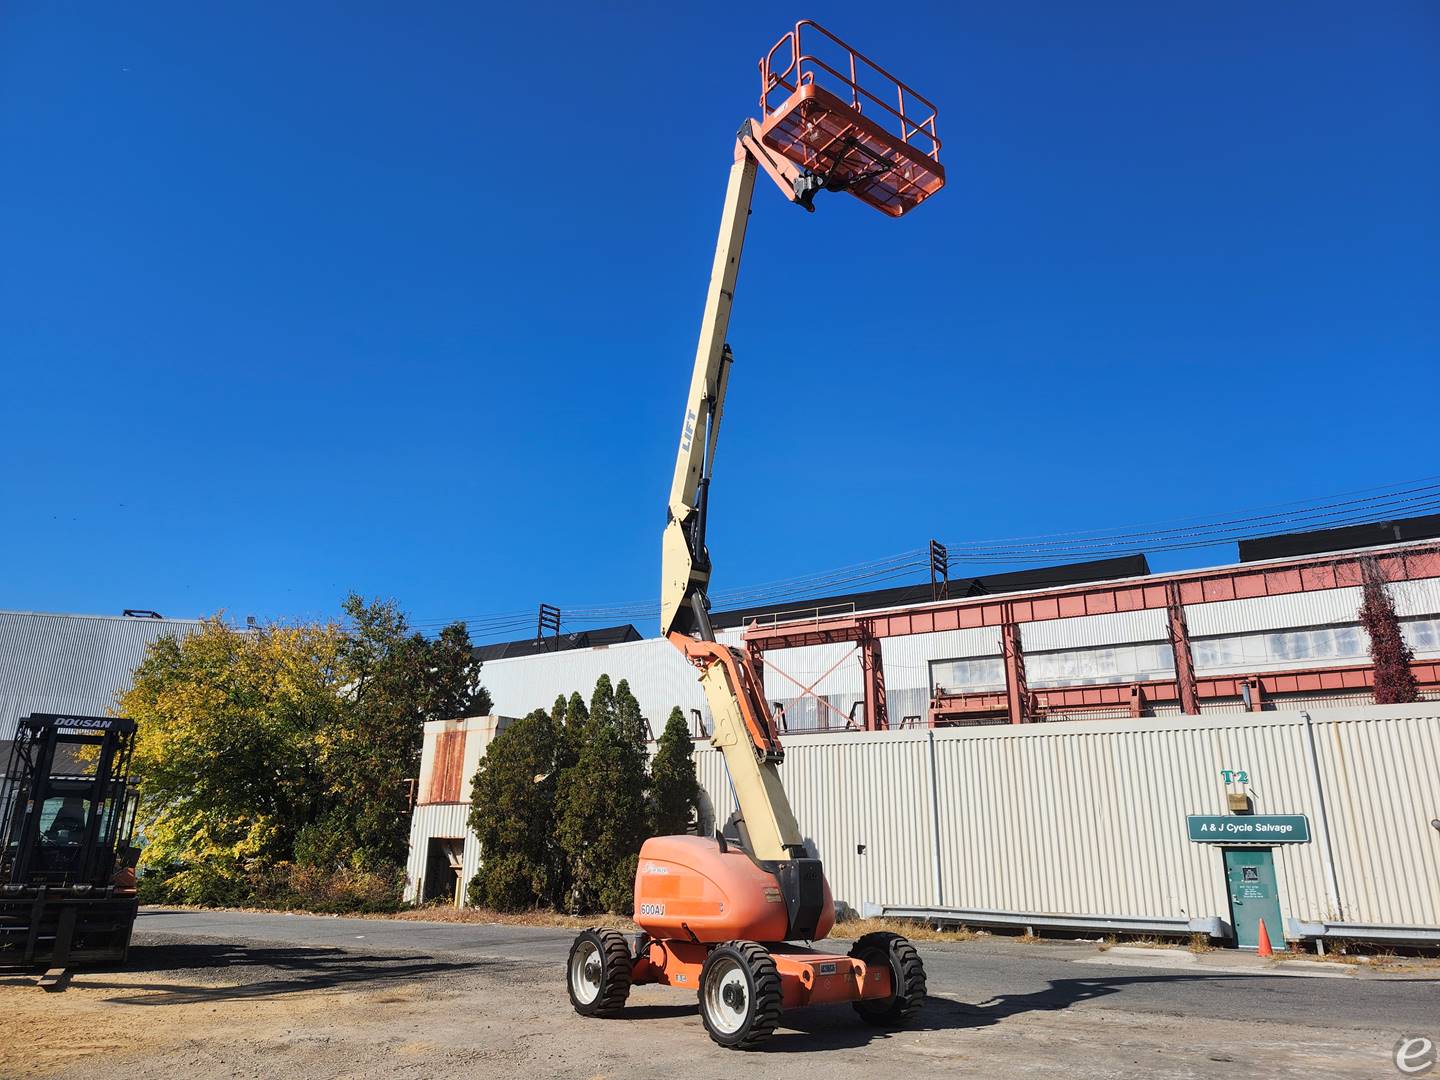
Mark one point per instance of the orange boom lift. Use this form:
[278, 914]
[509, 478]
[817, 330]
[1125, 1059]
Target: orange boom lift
[719, 916]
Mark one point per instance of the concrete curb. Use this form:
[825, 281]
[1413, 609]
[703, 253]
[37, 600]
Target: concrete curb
[1231, 964]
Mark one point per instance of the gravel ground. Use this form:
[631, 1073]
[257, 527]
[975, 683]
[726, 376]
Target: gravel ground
[222, 1007]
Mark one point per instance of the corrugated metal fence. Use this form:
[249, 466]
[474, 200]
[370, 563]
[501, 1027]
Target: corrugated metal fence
[1089, 817]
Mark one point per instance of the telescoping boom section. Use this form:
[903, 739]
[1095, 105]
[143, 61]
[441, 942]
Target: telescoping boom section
[718, 914]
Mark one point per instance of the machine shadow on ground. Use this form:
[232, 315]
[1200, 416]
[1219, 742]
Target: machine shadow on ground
[830, 1028]
[276, 972]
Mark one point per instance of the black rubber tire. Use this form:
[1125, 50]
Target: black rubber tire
[615, 964]
[907, 975]
[762, 994]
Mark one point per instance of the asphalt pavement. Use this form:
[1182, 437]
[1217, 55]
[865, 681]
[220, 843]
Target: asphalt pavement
[999, 975]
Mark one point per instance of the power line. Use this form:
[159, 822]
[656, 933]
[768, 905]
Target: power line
[1378, 507]
[1363, 506]
[1178, 540]
[1385, 489]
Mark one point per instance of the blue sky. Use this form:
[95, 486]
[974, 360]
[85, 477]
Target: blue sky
[303, 298]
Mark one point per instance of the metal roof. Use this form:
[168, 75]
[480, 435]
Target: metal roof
[1079, 573]
[1344, 538]
[581, 639]
[71, 663]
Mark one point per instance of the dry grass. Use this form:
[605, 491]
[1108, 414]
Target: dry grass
[855, 927]
[848, 929]
[1198, 943]
[1144, 942]
[1382, 959]
[449, 914]
[446, 914]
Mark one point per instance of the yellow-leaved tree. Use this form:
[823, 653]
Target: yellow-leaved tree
[273, 761]
[229, 725]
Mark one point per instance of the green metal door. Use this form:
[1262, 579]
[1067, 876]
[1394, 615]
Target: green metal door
[1250, 875]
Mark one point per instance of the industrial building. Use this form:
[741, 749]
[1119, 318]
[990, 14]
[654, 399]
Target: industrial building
[1180, 753]
[1325, 823]
[1095, 641]
[72, 663]
[1050, 741]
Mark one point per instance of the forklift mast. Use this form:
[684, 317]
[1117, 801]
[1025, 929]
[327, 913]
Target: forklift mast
[67, 812]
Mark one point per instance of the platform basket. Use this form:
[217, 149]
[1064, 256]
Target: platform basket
[831, 110]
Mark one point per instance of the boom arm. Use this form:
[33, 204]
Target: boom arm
[743, 728]
[686, 563]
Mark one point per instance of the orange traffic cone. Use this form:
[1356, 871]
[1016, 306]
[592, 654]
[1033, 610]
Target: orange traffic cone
[1264, 949]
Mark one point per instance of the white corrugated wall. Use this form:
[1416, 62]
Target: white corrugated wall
[906, 661]
[1088, 817]
[1085, 817]
[1382, 784]
[907, 658]
[1326, 607]
[1420, 596]
[435, 821]
[1091, 631]
[820, 669]
[659, 677]
[72, 663]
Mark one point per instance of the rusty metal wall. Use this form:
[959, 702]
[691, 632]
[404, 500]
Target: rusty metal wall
[446, 754]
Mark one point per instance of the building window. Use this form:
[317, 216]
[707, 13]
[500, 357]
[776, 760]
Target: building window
[975, 674]
[1422, 635]
[1105, 664]
[810, 713]
[1279, 649]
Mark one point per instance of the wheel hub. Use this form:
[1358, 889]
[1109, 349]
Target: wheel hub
[586, 972]
[725, 996]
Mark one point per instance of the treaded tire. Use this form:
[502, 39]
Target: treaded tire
[612, 954]
[907, 975]
[762, 1006]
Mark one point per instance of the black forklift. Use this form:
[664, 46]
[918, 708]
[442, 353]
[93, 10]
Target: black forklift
[67, 864]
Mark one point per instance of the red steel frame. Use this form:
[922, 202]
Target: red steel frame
[1170, 592]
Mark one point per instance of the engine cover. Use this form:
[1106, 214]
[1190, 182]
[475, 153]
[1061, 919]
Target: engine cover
[686, 887]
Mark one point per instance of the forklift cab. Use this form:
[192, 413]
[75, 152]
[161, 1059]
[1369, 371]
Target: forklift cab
[65, 817]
